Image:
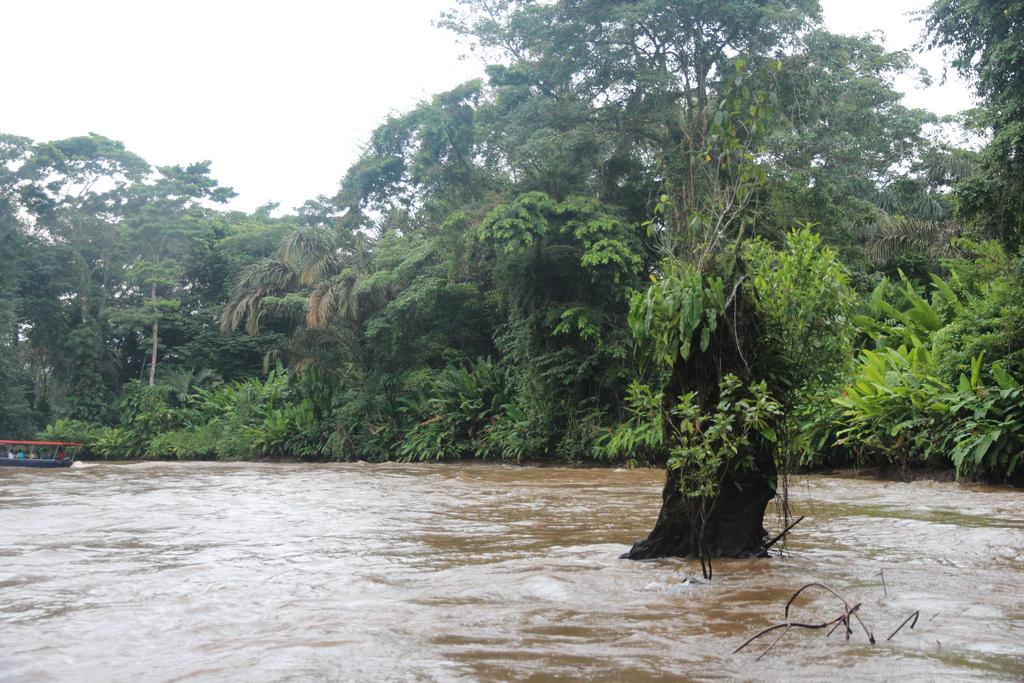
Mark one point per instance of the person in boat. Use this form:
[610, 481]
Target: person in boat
[10, 454]
[21, 454]
[61, 454]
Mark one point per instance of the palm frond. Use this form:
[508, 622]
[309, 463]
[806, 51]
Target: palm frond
[943, 167]
[313, 253]
[267, 277]
[894, 236]
[322, 304]
[338, 298]
[920, 205]
[184, 382]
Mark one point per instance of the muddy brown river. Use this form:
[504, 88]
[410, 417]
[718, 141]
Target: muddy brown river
[263, 572]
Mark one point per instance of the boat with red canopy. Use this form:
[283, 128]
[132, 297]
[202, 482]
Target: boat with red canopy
[37, 453]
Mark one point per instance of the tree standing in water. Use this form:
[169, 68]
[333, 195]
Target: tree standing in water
[693, 86]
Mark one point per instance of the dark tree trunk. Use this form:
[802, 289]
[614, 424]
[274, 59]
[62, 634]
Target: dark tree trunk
[734, 529]
[154, 340]
[734, 526]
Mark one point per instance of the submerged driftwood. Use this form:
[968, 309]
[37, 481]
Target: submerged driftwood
[843, 620]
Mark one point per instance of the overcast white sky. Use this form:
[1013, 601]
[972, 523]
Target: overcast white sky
[280, 95]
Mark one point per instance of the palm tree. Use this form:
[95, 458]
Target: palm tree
[309, 264]
[897, 235]
[321, 281]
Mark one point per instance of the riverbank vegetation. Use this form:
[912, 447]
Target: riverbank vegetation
[703, 234]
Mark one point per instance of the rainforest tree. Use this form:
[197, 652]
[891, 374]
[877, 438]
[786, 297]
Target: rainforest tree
[16, 255]
[985, 40]
[164, 220]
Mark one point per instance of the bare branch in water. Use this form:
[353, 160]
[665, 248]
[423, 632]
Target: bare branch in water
[778, 538]
[842, 620]
[913, 623]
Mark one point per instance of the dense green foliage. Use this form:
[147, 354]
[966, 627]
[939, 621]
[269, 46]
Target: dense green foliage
[985, 42]
[516, 269]
[928, 391]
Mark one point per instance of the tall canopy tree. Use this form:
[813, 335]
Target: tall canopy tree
[986, 42]
[16, 414]
[164, 218]
[76, 191]
[651, 69]
[844, 138]
[77, 188]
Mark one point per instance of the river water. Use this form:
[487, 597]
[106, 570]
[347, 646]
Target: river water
[263, 572]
